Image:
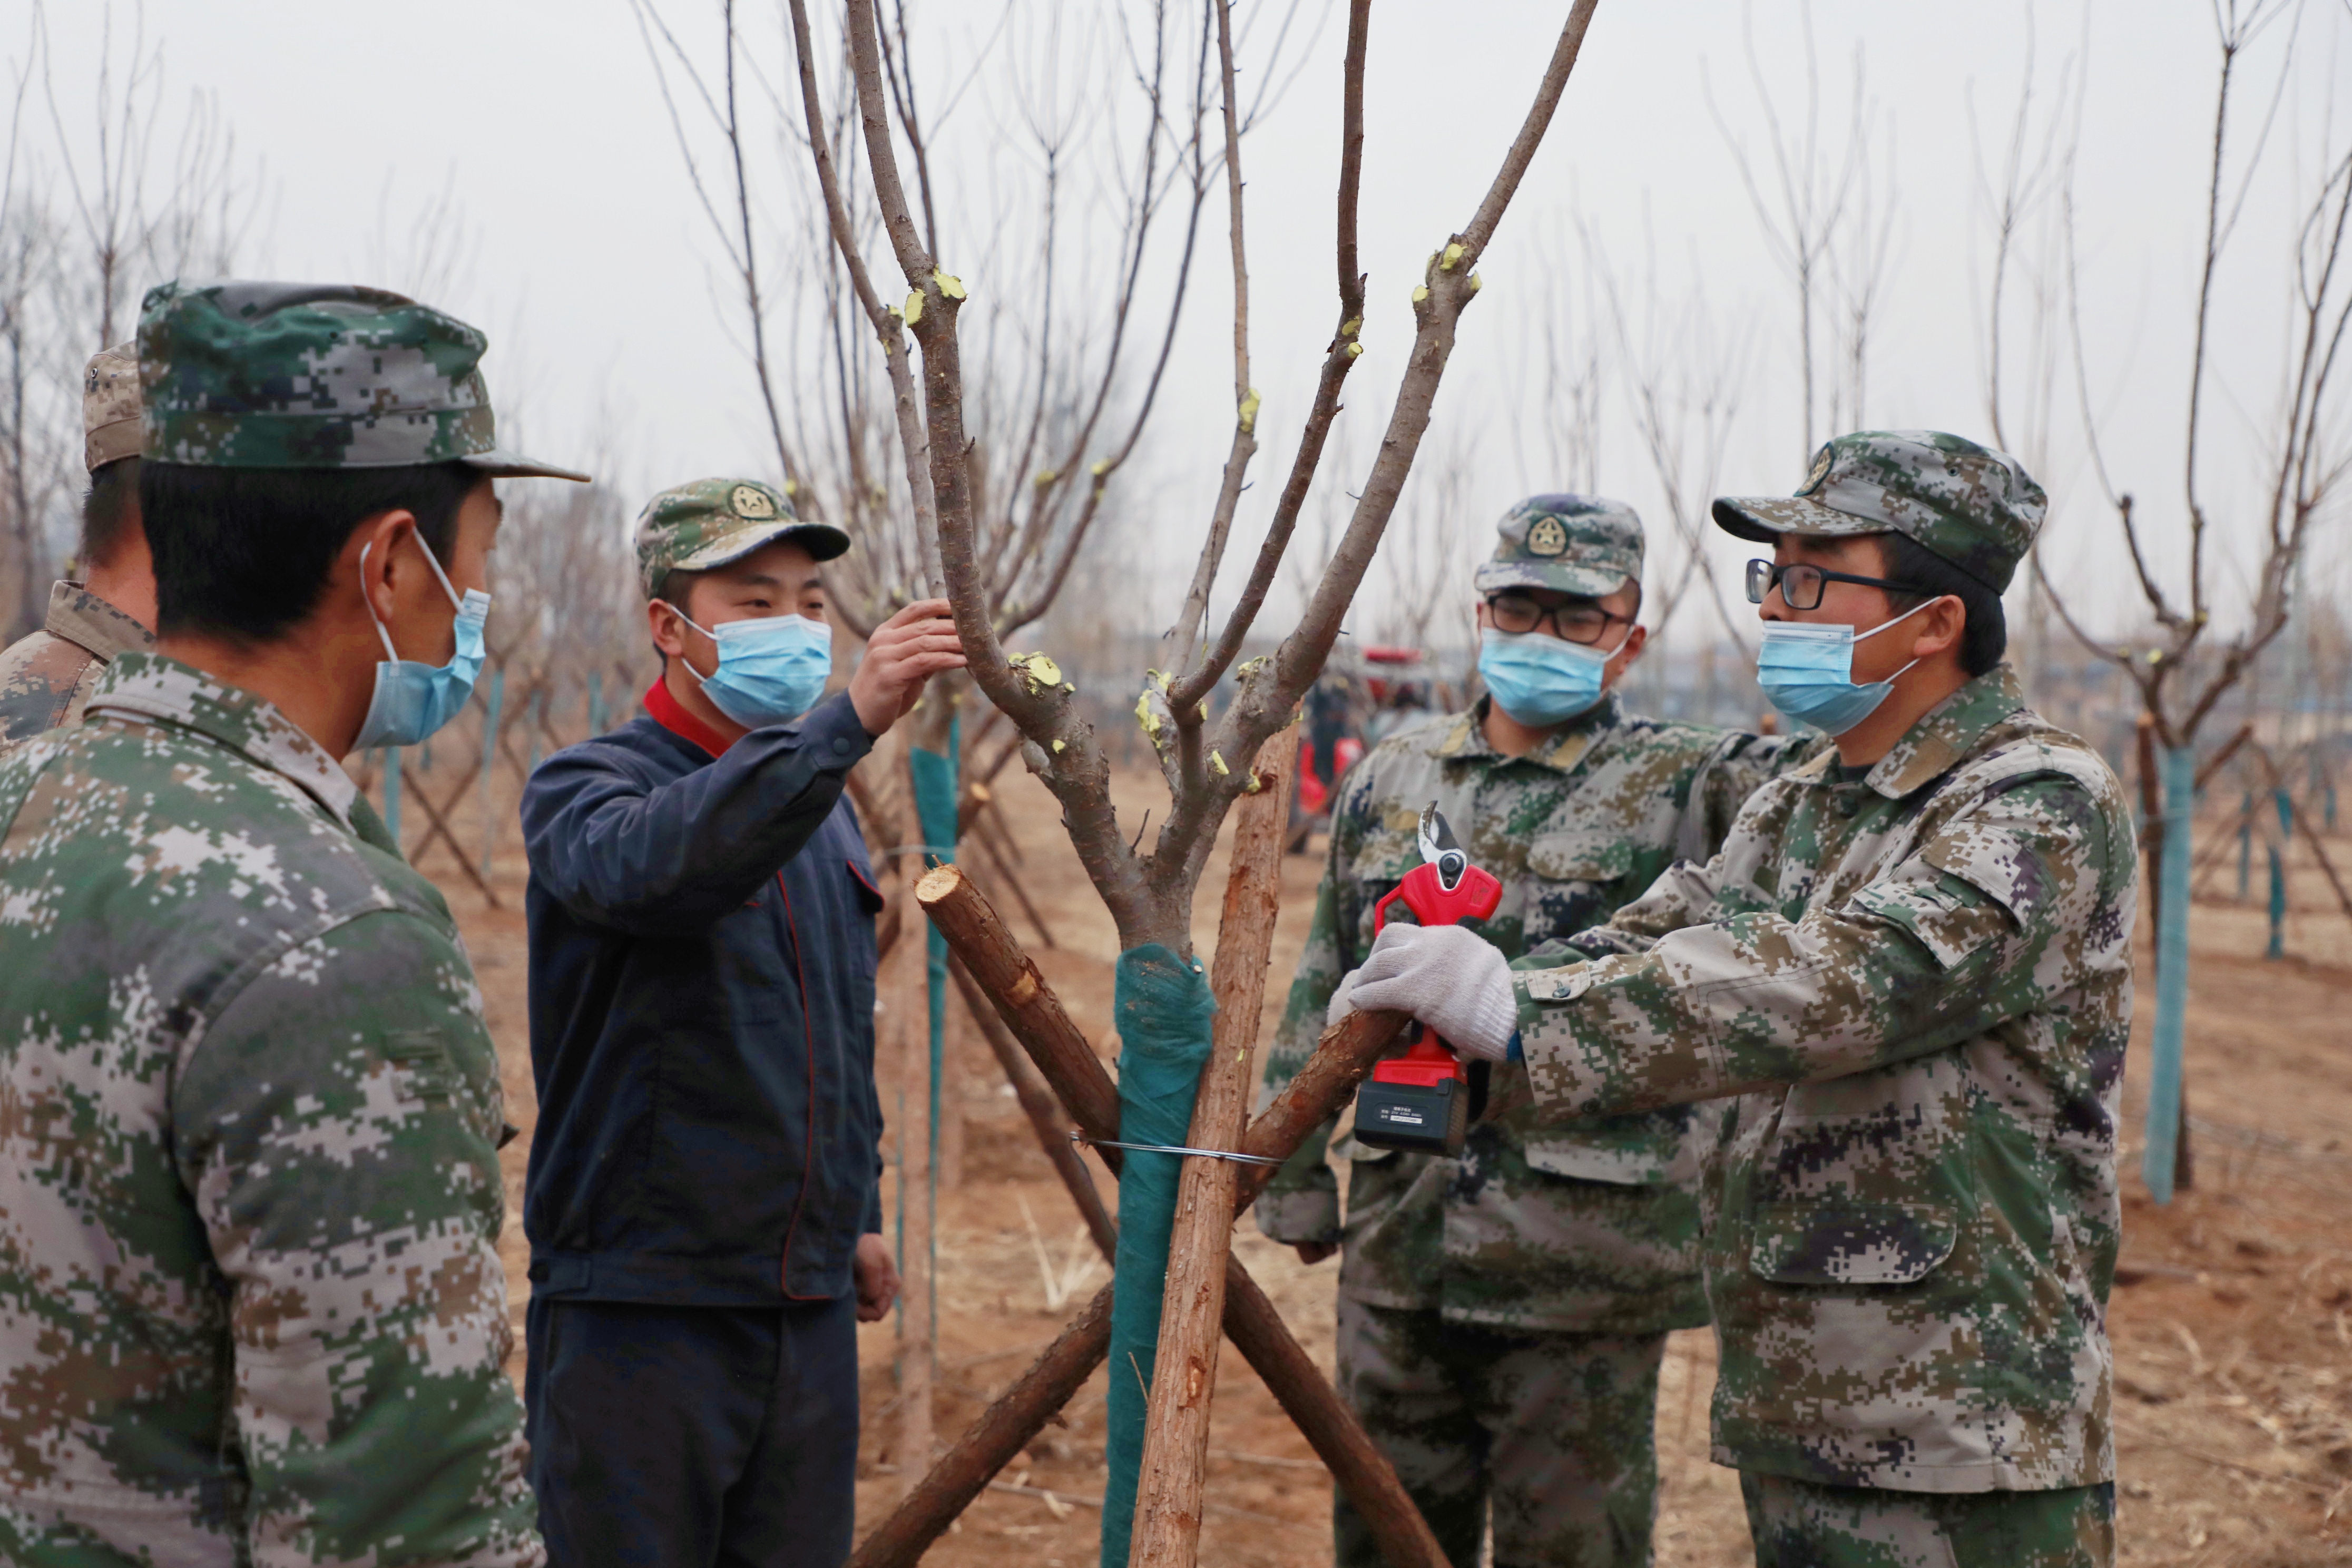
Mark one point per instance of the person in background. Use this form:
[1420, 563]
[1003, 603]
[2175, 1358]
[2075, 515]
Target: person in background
[251, 1307]
[1502, 1313]
[1909, 974]
[703, 1202]
[46, 677]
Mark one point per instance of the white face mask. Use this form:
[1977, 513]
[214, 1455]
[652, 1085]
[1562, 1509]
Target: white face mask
[412, 700]
[771, 669]
[1807, 673]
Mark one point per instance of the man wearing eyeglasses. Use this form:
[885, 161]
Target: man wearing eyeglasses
[1503, 1314]
[1909, 971]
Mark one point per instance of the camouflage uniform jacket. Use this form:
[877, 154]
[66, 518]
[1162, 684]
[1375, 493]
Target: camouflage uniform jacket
[1592, 1225]
[46, 679]
[1918, 983]
[251, 1308]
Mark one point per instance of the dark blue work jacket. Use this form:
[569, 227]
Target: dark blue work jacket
[702, 958]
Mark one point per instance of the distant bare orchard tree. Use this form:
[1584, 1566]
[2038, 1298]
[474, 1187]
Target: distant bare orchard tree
[95, 206]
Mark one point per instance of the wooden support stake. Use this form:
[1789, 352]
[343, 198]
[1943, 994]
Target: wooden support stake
[1342, 1056]
[1044, 1112]
[1184, 1376]
[946, 1490]
[918, 1334]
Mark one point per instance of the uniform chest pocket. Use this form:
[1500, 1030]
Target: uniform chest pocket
[1576, 876]
[1850, 1243]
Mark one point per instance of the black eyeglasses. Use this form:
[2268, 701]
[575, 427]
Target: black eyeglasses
[1801, 583]
[1582, 622]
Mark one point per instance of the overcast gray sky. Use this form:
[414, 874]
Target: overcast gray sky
[593, 267]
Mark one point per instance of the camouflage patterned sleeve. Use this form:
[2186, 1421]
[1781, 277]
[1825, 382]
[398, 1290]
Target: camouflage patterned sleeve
[336, 1124]
[1301, 1204]
[1970, 930]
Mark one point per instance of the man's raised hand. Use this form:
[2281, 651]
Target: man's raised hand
[904, 651]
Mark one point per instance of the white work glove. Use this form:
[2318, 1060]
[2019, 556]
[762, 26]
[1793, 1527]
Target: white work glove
[1450, 979]
[1343, 1000]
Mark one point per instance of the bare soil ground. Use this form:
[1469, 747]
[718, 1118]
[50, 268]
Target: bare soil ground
[2232, 1319]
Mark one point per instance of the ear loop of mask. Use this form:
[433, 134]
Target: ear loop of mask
[699, 678]
[389, 653]
[1880, 627]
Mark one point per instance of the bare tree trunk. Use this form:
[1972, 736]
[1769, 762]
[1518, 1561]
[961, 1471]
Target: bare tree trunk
[1176, 1425]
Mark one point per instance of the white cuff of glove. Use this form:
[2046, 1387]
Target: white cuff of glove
[1453, 980]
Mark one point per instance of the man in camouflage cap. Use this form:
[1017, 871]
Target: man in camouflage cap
[703, 1202]
[1503, 1314]
[251, 1307]
[1909, 970]
[709, 522]
[46, 677]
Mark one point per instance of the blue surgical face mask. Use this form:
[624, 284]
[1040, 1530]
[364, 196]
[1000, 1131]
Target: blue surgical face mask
[771, 669]
[1807, 671]
[1542, 680]
[412, 701]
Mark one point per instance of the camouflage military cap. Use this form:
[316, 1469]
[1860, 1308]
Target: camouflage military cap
[1574, 544]
[1976, 507]
[109, 406]
[297, 375]
[694, 527]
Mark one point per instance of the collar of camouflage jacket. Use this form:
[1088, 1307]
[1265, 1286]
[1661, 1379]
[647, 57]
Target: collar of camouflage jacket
[89, 623]
[1944, 735]
[153, 687]
[1466, 739]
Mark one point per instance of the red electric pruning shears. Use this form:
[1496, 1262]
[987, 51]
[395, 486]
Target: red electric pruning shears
[1420, 1101]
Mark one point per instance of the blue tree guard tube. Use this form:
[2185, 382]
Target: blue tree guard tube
[392, 792]
[2179, 767]
[1165, 1011]
[935, 813]
[2285, 806]
[2245, 845]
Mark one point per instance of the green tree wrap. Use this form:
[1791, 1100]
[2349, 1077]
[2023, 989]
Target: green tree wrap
[1164, 1007]
[2171, 976]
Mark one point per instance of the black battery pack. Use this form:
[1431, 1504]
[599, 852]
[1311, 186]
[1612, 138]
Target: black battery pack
[1418, 1118]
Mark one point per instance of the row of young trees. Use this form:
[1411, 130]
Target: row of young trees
[109, 183]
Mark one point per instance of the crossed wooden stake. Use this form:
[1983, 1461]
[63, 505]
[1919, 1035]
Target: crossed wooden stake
[1047, 1056]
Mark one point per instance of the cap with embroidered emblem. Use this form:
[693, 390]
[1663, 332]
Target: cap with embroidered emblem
[1586, 545]
[708, 523]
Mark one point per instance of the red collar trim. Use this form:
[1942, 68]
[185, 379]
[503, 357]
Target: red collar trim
[671, 715]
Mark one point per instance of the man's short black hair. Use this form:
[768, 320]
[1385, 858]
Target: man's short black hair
[244, 554]
[1907, 561]
[107, 512]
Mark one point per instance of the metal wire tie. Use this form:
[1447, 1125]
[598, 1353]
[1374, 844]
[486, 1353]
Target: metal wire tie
[1077, 1137]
